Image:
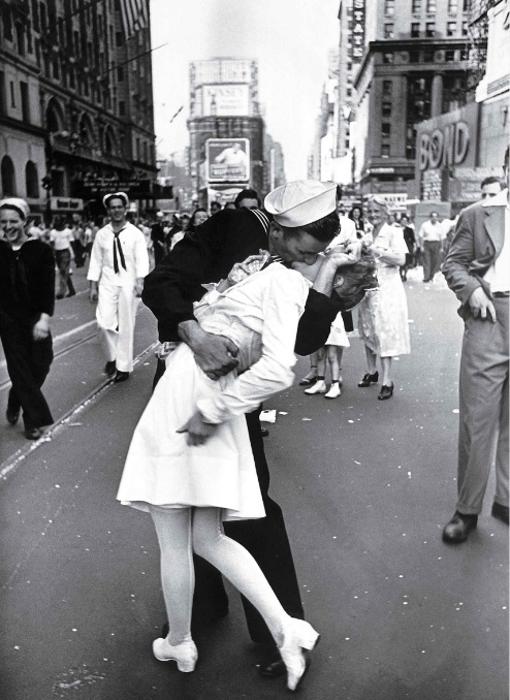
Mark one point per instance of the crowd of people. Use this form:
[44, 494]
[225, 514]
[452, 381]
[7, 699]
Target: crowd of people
[237, 293]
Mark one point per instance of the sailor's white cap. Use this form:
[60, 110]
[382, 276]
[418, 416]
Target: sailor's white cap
[301, 202]
[16, 203]
[115, 195]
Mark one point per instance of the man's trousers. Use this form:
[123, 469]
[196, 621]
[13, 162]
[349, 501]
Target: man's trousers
[483, 407]
[28, 364]
[116, 316]
[431, 259]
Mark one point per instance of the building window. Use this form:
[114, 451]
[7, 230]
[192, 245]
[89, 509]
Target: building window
[416, 7]
[8, 177]
[449, 55]
[389, 7]
[428, 56]
[120, 74]
[430, 29]
[25, 107]
[42, 15]
[386, 109]
[387, 87]
[464, 54]
[385, 150]
[415, 30]
[35, 15]
[388, 57]
[453, 6]
[31, 180]
[7, 22]
[388, 30]
[414, 57]
[119, 39]
[386, 129]
[431, 7]
[122, 108]
[2, 93]
[20, 36]
[451, 28]
[465, 28]
[466, 7]
[13, 94]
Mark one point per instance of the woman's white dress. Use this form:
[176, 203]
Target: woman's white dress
[382, 314]
[260, 315]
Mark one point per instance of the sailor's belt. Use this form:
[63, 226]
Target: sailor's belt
[163, 350]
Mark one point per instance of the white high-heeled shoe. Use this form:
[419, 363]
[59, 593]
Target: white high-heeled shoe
[298, 635]
[185, 654]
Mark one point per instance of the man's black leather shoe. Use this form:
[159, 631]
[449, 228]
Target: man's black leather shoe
[500, 512]
[110, 368]
[368, 379]
[33, 433]
[274, 669]
[459, 527]
[12, 416]
[121, 377]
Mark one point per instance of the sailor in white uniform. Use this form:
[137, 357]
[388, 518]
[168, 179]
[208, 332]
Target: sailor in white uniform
[118, 264]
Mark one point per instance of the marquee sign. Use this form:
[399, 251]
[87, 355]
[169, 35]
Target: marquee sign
[358, 31]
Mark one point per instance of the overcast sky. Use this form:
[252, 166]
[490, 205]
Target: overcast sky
[290, 40]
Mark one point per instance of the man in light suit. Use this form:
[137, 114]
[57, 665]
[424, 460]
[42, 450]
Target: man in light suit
[477, 269]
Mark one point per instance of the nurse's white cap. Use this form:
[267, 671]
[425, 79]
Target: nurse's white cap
[300, 202]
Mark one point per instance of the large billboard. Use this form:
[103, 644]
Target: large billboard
[228, 160]
[225, 100]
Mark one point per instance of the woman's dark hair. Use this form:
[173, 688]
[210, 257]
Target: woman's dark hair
[323, 229]
[360, 223]
[192, 220]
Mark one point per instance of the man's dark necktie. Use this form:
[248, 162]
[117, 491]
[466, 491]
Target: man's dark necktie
[118, 244]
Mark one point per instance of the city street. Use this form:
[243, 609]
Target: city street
[366, 487]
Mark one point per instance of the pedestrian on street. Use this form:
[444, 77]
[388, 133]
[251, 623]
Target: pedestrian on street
[430, 237]
[410, 240]
[158, 238]
[118, 265]
[27, 299]
[247, 198]
[61, 239]
[477, 270]
[382, 313]
[191, 484]
[224, 239]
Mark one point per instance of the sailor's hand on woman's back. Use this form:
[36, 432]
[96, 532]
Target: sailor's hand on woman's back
[216, 355]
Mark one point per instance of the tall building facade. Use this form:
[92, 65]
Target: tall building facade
[225, 128]
[76, 105]
[413, 65]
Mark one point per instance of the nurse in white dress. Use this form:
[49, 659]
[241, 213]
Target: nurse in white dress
[189, 487]
[382, 314]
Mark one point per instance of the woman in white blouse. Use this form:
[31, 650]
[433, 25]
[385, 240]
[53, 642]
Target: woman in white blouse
[382, 314]
[258, 307]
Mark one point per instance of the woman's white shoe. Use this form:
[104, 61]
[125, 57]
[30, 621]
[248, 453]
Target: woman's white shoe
[185, 654]
[298, 636]
[318, 388]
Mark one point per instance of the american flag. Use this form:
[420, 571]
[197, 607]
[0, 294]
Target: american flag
[135, 15]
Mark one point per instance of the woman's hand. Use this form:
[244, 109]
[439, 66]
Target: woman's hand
[198, 430]
[216, 355]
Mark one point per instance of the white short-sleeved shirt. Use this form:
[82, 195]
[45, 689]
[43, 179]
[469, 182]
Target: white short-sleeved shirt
[61, 240]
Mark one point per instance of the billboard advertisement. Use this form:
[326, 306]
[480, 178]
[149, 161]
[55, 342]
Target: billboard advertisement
[225, 100]
[228, 160]
[358, 31]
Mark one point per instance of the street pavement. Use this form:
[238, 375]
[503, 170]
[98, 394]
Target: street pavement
[366, 487]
